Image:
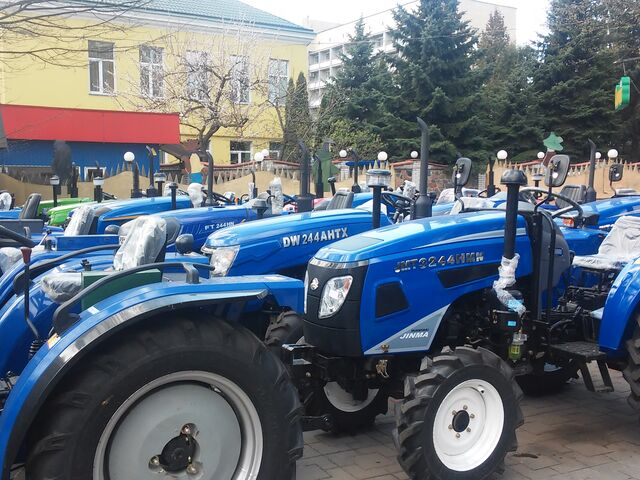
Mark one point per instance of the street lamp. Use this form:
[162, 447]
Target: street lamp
[377, 180]
[598, 155]
[129, 157]
[382, 157]
[540, 155]
[414, 154]
[265, 153]
[355, 188]
[343, 154]
[54, 181]
[502, 155]
[612, 154]
[160, 178]
[151, 191]
[98, 182]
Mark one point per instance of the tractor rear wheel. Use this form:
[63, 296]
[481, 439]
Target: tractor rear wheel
[459, 416]
[348, 414]
[178, 398]
[631, 372]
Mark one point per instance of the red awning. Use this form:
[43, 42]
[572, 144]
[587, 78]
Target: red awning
[22, 122]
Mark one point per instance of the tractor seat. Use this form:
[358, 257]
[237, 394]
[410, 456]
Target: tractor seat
[5, 201]
[9, 256]
[621, 245]
[81, 220]
[196, 194]
[144, 243]
[471, 203]
[577, 193]
[30, 208]
[342, 199]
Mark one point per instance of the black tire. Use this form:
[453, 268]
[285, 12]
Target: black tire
[287, 328]
[546, 382]
[631, 372]
[65, 438]
[425, 393]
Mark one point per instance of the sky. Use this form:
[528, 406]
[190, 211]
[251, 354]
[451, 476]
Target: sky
[531, 13]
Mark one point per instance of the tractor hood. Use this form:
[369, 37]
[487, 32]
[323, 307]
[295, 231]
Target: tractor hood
[610, 209]
[120, 211]
[287, 243]
[417, 234]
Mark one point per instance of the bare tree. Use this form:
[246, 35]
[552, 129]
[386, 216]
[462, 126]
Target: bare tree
[52, 31]
[213, 82]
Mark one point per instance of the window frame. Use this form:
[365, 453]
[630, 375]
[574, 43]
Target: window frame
[235, 81]
[202, 92]
[150, 65]
[100, 61]
[283, 87]
[239, 152]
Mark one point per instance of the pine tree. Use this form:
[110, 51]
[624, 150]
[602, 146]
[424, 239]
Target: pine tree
[574, 82]
[303, 125]
[434, 79]
[494, 49]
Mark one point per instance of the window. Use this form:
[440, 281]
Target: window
[240, 152]
[196, 65]
[278, 79]
[377, 41]
[313, 77]
[275, 150]
[325, 74]
[336, 52]
[325, 56]
[239, 79]
[151, 71]
[101, 66]
[313, 58]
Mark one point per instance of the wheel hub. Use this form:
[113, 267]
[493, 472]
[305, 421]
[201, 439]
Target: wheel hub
[178, 453]
[461, 421]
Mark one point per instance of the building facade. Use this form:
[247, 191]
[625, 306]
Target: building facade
[329, 44]
[163, 57]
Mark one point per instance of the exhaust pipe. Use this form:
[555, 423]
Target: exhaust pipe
[591, 191]
[305, 201]
[423, 206]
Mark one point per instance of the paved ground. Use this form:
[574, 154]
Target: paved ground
[575, 435]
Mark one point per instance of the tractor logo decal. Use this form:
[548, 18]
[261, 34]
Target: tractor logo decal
[423, 333]
[442, 261]
[315, 237]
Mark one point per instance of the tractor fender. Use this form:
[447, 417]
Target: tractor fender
[618, 316]
[110, 316]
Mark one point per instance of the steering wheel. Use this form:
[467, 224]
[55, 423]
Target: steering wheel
[486, 191]
[400, 203]
[288, 200]
[573, 205]
[16, 237]
[218, 197]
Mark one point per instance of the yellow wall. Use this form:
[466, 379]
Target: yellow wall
[27, 81]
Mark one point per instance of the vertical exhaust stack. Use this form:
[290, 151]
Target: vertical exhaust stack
[591, 191]
[209, 178]
[305, 200]
[423, 206]
[151, 190]
[135, 191]
[513, 179]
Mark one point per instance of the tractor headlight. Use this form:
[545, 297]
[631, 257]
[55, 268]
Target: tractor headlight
[334, 294]
[222, 258]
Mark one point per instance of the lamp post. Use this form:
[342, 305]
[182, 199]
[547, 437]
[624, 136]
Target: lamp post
[160, 178]
[377, 180]
[54, 181]
[73, 182]
[265, 153]
[151, 191]
[98, 182]
[612, 154]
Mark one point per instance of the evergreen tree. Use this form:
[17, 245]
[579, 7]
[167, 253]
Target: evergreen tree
[288, 135]
[435, 80]
[574, 82]
[495, 53]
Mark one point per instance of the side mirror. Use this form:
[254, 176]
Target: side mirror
[616, 171]
[557, 171]
[461, 172]
[184, 243]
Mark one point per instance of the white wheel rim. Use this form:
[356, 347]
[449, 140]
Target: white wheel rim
[478, 403]
[344, 401]
[227, 430]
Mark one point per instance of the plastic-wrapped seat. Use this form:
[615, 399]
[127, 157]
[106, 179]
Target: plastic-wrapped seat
[5, 201]
[466, 203]
[196, 194]
[81, 220]
[144, 244]
[620, 246]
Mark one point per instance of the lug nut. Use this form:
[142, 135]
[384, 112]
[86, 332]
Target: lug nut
[186, 430]
[468, 430]
[464, 407]
[472, 416]
[192, 469]
[450, 427]
[154, 462]
[457, 435]
[453, 413]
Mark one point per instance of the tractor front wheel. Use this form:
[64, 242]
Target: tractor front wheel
[177, 398]
[631, 372]
[347, 413]
[459, 416]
